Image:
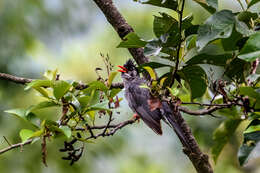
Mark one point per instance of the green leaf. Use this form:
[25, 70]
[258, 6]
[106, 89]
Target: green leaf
[196, 79]
[242, 28]
[111, 78]
[153, 48]
[99, 106]
[153, 65]
[222, 135]
[151, 72]
[249, 91]
[172, 39]
[253, 2]
[114, 92]
[165, 79]
[213, 3]
[236, 68]
[25, 115]
[49, 123]
[219, 25]
[51, 75]
[230, 43]
[96, 85]
[84, 101]
[42, 91]
[17, 112]
[76, 104]
[191, 41]
[209, 5]
[44, 104]
[95, 97]
[38, 133]
[60, 88]
[91, 114]
[253, 78]
[218, 60]
[231, 113]
[132, 40]
[253, 128]
[54, 127]
[173, 91]
[251, 138]
[251, 50]
[26, 134]
[38, 83]
[191, 30]
[247, 16]
[164, 24]
[186, 22]
[66, 131]
[171, 4]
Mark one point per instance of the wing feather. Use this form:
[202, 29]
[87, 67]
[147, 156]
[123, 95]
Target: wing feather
[138, 102]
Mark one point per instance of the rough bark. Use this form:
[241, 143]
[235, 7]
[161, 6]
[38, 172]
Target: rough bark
[113, 16]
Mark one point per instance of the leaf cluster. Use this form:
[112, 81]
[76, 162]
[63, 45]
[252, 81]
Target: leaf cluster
[79, 108]
[212, 61]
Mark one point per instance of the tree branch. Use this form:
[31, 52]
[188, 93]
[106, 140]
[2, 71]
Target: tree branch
[202, 111]
[21, 80]
[198, 159]
[120, 25]
[15, 146]
[114, 127]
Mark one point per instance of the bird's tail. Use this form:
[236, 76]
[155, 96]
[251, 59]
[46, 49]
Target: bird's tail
[172, 121]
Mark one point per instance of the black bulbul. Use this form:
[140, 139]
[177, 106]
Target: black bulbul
[138, 100]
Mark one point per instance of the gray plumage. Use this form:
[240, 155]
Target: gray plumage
[137, 100]
[138, 97]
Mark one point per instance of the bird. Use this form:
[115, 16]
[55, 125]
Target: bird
[138, 100]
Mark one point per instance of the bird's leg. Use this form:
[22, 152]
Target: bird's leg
[137, 117]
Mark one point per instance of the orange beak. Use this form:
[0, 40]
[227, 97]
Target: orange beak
[123, 69]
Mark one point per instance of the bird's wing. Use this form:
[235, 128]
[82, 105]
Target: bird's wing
[138, 101]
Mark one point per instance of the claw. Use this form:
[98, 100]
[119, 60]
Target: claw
[137, 117]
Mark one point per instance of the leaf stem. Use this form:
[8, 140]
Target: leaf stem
[241, 5]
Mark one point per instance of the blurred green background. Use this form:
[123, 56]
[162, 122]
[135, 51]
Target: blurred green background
[37, 35]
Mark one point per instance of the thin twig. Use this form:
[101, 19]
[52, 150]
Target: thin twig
[202, 111]
[96, 127]
[203, 104]
[179, 45]
[108, 123]
[90, 130]
[115, 129]
[121, 125]
[240, 3]
[7, 141]
[15, 146]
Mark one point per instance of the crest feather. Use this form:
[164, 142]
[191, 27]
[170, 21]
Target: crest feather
[129, 65]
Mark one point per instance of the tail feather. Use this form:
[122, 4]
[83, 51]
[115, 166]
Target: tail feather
[168, 114]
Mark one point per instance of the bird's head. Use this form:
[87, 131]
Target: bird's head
[128, 71]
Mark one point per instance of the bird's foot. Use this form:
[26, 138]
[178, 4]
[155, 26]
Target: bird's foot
[136, 117]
